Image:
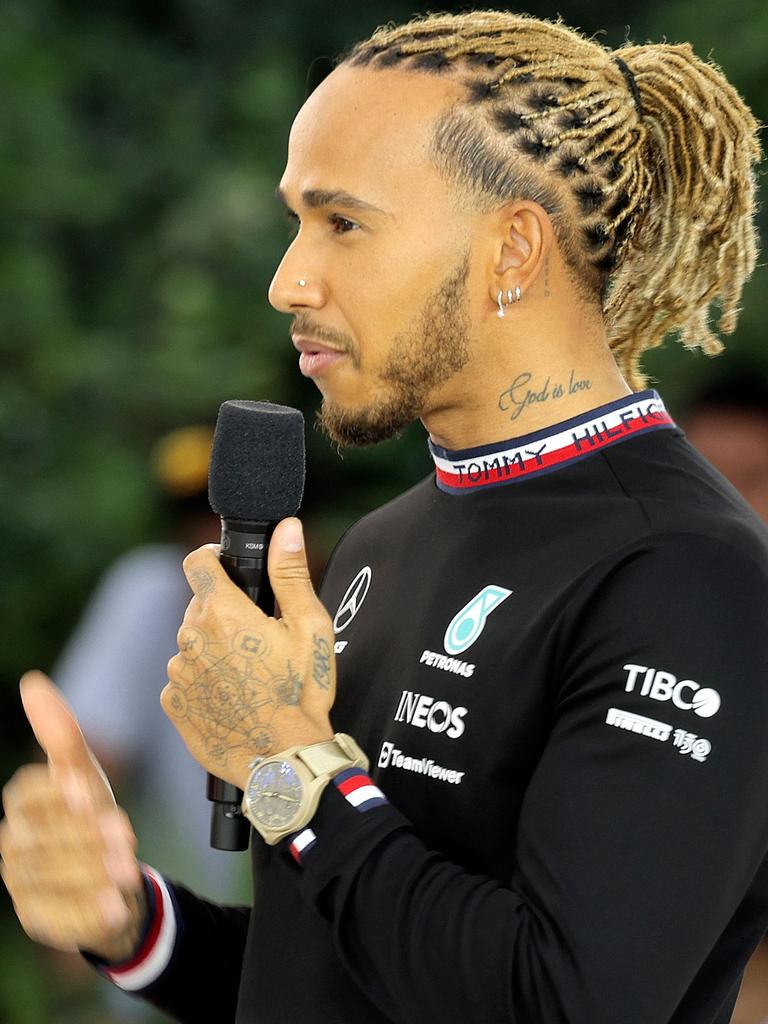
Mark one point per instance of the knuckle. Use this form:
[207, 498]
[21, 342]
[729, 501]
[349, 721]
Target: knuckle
[294, 572]
[190, 561]
[27, 782]
[127, 827]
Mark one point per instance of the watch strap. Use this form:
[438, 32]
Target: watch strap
[332, 756]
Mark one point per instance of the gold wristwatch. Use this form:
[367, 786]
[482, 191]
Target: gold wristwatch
[283, 791]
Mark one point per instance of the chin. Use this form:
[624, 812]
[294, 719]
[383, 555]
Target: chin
[363, 426]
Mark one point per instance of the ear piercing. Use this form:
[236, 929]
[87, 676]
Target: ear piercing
[302, 283]
[512, 296]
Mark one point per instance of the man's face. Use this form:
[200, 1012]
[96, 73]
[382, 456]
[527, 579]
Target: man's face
[384, 319]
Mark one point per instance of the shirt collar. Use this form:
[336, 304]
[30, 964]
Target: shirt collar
[552, 448]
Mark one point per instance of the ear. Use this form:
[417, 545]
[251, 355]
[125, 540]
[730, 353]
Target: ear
[525, 237]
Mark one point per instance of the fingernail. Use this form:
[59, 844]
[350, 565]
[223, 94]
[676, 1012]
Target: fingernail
[112, 907]
[292, 537]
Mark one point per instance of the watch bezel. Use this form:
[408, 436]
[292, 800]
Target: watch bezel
[305, 778]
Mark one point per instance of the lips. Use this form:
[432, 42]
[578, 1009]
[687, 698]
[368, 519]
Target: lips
[315, 356]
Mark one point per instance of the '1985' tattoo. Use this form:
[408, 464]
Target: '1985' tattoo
[321, 666]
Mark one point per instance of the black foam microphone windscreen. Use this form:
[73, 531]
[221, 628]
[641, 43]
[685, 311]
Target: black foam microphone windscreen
[257, 462]
[255, 479]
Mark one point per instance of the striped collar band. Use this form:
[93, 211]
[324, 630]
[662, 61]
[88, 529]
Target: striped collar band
[552, 448]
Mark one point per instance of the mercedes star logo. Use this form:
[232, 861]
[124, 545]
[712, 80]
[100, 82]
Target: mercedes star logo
[352, 600]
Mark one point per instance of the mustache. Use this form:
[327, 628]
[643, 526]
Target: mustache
[303, 324]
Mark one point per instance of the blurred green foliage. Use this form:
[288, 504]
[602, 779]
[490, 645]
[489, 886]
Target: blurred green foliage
[141, 145]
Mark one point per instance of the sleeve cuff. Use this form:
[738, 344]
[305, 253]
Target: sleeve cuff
[157, 942]
[353, 816]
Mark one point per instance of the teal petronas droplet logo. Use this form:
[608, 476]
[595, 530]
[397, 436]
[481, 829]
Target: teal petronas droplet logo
[467, 625]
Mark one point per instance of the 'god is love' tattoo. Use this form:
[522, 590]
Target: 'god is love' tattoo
[321, 662]
[519, 396]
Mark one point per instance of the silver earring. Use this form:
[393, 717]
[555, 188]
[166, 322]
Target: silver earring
[501, 308]
[518, 293]
[302, 283]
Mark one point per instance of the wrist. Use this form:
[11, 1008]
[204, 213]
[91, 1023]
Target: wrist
[299, 738]
[283, 790]
[122, 946]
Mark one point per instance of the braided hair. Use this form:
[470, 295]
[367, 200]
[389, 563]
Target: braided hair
[643, 158]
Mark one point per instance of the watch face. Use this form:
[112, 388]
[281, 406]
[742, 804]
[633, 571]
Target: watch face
[274, 794]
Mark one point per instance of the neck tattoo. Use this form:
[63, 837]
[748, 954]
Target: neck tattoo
[520, 395]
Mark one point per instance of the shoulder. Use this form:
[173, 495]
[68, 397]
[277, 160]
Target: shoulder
[678, 491]
[688, 586]
[377, 540]
[406, 508]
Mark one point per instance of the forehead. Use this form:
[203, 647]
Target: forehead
[368, 130]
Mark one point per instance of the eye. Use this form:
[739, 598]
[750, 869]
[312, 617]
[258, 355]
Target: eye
[342, 226]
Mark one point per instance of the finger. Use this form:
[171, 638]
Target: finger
[204, 572]
[57, 730]
[65, 923]
[289, 572]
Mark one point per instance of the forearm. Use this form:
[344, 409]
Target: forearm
[426, 940]
[189, 956]
[123, 947]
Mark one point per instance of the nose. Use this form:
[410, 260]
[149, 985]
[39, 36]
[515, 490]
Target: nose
[293, 288]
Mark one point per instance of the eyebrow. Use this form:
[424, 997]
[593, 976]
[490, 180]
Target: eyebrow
[315, 198]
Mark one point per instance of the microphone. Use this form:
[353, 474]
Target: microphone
[255, 479]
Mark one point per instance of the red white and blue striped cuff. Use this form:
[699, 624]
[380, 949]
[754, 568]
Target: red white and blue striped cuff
[357, 788]
[156, 950]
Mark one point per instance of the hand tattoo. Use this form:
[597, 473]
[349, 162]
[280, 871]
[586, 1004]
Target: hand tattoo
[202, 582]
[321, 669]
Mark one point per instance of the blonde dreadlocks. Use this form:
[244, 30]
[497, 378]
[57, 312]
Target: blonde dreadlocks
[643, 158]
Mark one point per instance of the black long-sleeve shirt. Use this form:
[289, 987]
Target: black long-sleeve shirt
[555, 654]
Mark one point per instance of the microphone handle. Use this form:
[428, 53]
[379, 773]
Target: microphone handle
[243, 556]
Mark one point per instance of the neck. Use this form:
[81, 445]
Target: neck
[509, 390]
[526, 402]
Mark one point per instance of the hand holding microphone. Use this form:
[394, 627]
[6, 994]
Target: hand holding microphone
[244, 684]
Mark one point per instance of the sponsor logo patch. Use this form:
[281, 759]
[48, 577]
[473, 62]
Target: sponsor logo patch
[689, 743]
[423, 712]
[446, 664]
[661, 685]
[391, 757]
[638, 723]
[352, 602]
[468, 623]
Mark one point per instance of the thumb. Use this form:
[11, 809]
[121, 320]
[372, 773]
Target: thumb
[57, 730]
[288, 570]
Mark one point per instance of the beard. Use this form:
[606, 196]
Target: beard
[434, 348]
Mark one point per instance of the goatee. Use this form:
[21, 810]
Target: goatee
[431, 351]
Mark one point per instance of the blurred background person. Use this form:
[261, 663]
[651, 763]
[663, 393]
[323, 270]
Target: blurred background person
[727, 421]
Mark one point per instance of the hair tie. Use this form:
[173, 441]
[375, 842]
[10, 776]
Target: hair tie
[631, 82]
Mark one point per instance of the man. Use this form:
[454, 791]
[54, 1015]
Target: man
[552, 652]
[728, 423]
